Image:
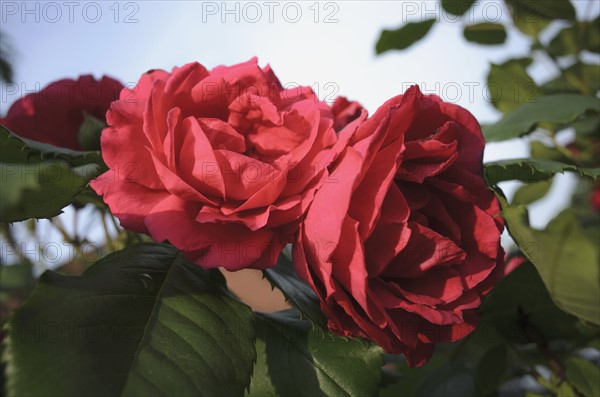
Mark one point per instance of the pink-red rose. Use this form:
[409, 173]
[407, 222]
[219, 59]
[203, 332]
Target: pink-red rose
[55, 114]
[404, 241]
[221, 163]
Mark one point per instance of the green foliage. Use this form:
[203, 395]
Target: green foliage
[584, 376]
[457, 7]
[142, 321]
[554, 111]
[485, 33]
[510, 85]
[296, 291]
[89, 132]
[303, 361]
[532, 192]
[532, 170]
[39, 180]
[403, 37]
[565, 257]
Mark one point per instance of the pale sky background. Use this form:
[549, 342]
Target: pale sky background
[327, 45]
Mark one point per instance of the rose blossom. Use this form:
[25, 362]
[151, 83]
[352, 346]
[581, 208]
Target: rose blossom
[55, 114]
[404, 246]
[220, 163]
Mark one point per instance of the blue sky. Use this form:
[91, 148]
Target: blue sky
[326, 45]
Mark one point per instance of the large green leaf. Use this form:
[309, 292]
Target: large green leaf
[559, 110]
[142, 321]
[457, 7]
[565, 257]
[485, 33]
[521, 300]
[532, 170]
[16, 149]
[451, 379]
[303, 361]
[584, 376]
[38, 190]
[296, 290]
[510, 85]
[404, 36]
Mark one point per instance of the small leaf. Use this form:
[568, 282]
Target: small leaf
[510, 85]
[491, 368]
[89, 132]
[485, 33]
[457, 7]
[532, 192]
[142, 321]
[304, 361]
[532, 170]
[296, 290]
[561, 110]
[404, 36]
[584, 376]
[565, 257]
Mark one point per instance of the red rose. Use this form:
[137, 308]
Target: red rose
[55, 114]
[222, 164]
[404, 240]
[344, 112]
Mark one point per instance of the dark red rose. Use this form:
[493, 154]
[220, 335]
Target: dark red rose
[54, 114]
[403, 240]
[221, 163]
[344, 112]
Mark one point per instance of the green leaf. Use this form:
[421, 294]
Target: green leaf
[491, 368]
[540, 150]
[510, 85]
[142, 321]
[561, 109]
[548, 9]
[577, 78]
[522, 296]
[565, 257]
[296, 291]
[584, 376]
[403, 37]
[457, 7]
[304, 361]
[39, 190]
[525, 19]
[566, 42]
[485, 33]
[451, 379]
[591, 40]
[89, 132]
[16, 149]
[532, 170]
[532, 192]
